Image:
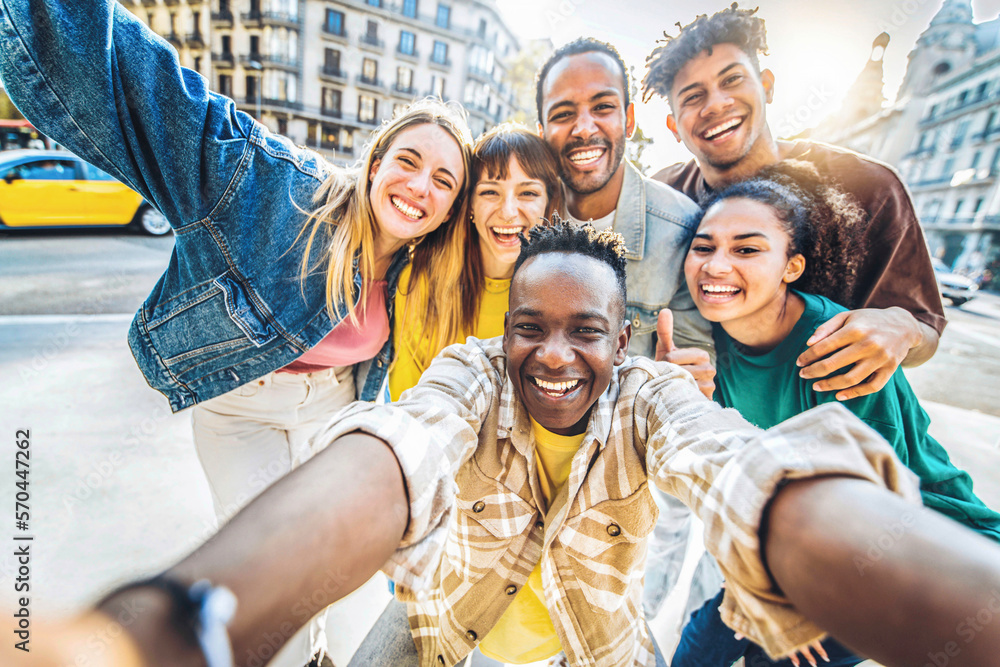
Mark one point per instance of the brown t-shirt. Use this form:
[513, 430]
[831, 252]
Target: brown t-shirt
[896, 270]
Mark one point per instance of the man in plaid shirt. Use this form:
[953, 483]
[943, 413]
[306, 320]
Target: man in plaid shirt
[465, 510]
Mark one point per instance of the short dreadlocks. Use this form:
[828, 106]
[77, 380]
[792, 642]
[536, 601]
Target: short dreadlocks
[562, 236]
[736, 26]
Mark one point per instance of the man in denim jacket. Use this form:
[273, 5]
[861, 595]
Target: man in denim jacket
[90, 75]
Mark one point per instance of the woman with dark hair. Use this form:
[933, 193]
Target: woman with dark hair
[775, 257]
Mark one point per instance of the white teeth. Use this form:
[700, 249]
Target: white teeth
[587, 156]
[719, 129]
[514, 229]
[556, 386]
[406, 209]
[720, 289]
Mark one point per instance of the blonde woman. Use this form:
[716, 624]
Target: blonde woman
[515, 185]
[276, 306]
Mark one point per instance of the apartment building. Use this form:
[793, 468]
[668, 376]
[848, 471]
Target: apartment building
[326, 72]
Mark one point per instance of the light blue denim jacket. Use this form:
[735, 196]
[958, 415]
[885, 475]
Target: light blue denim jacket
[658, 224]
[231, 306]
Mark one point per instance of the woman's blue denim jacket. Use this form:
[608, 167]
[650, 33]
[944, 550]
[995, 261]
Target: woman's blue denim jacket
[231, 306]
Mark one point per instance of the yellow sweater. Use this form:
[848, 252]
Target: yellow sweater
[413, 348]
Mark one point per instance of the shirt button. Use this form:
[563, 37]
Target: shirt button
[636, 322]
[614, 530]
[511, 590]
[539, 525]
[260, 382]
[472, 636]
[479, 507]
[379, 363]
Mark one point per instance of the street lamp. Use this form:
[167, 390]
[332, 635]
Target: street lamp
[255, 65]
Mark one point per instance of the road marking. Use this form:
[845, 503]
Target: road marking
[969, 332]
[69, 318]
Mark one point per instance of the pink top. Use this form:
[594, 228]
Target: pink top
[348, 343]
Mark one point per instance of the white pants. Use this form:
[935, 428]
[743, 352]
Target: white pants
[253, 436]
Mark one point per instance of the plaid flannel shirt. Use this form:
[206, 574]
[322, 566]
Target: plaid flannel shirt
[475, 530]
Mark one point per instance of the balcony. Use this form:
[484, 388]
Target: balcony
[175, 39]
[281, 19]
[368, 83]
[149, 3]
[195, 40]
[331, 113]
[924, 150]
[252, 19]
[412, 55]
[480, 75]
[330, 146]
[272, 103]
[252, 58]
[341, 36]
[171, 3]
[279, 62]
[223, 60]
[333, 74]
[440, 64]
[222, 19]
[371, 43]
[406, 92]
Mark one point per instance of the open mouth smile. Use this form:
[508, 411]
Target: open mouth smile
[722, 131]
[586, 157]
[506, 235]
[555, 389]
[411, 212]
[718, 293]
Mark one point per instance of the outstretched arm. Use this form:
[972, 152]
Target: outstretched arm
[901, 584]
[311, 539]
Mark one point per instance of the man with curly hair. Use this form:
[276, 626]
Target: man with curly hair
[711, 76]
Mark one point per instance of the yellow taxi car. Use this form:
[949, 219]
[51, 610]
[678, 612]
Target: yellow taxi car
[46, 189]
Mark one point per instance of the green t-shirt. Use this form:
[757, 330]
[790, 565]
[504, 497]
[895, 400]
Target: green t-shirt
[767, 390]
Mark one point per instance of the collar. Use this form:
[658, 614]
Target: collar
[630, 211]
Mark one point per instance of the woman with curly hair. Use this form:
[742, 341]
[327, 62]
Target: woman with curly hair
[775, 257]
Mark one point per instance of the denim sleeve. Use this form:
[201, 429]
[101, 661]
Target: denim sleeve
[91, 76]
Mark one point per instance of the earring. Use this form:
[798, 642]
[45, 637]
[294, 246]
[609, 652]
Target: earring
[411, 247]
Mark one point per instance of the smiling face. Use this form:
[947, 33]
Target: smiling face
[718, 103]
[738, 268]
[585, 120]
[414, 185]
[501, 209]
[564, 335]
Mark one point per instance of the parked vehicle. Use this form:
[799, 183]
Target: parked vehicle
[48, 189]
[957, 289]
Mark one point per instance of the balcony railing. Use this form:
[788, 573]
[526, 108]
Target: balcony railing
[332, 113]
[413, 54]
[281, 18]
[279, 61]
[222, 17]
[445, 63]
[333, 73]
[223, 59]
[330, 146]
[405, 91]
[195, 40]
[370, 41]
[175, 39]
[369, 82]
[342, 34]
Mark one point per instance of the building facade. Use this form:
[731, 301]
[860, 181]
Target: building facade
[943, 135]
[326, 72]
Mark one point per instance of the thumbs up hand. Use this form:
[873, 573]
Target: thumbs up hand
[693, 360]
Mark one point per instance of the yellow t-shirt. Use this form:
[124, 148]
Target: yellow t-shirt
[413, 348]
[525, 632]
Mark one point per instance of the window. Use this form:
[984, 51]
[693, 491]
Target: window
[227, 45]
[989, 122]
[375, 3]
[995, 163]
[283, 126]
[331, 61]
[407, 41]
[197, 64]
[948, 169]
[367, 109]
[226, 85]
[440, 53]
[979, 205]
[481, 32]
[92, 173]
[981, 90]
[196, 22]
[933, 111]
[975, 159]
[251, 83]
[47, 170]
[404, 78]
[437, 86]
[958, 206]
[331, 137]
[334, 22]
[369, 70]
[332, 99]
[371, 33]
[443, 19]
[255, 47]
[410, 8]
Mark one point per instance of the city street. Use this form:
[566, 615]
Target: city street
[116, 489]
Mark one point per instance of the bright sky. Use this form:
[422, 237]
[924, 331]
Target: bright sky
[817, 48]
